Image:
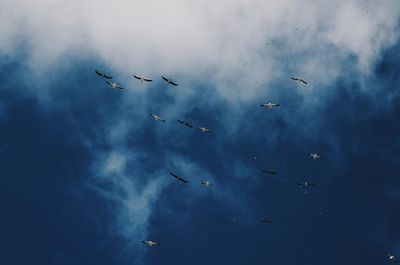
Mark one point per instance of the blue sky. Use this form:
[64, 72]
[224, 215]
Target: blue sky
[85, 170]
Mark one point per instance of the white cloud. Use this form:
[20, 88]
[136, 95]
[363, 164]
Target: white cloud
[226, 39]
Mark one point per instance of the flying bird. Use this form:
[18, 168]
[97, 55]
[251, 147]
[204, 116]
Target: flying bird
[391, 257]
[269, 172]
[142, 78]
[305, 184]
[207, 183]
[151, 243]
[169, 81]
[300, 80]
[178, 178]
[114, 85]
[315, 155]
[156, 117]
[204, 129]
[103, 75]
[266, 221]
[184, 123]
[269, 105]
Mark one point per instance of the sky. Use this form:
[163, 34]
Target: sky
[85, 169]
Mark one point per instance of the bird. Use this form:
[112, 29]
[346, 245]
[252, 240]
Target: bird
[169, 81]
[184, 123]
[178, 178]
[305, 184]
[300, 80]
[151, 243]
[266, 221]
[207, 183]
[315, 155]
[156, 117]
[269, 105]
[204, 129]
[103, 75]
[391, 257]
[142, 78]
[269, 172]
[114, 85]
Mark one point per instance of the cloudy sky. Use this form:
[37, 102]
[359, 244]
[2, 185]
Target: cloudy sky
[85, 169]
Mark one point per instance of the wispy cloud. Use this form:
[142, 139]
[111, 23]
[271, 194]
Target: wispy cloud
[131, 192]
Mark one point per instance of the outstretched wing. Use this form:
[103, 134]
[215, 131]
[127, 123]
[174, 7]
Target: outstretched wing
[269, 172]
[137, 77]
[147, 80]
[172, 83]
[303, 81]
[165, 79]
[174, 175]
[183, 180]
[103, 75]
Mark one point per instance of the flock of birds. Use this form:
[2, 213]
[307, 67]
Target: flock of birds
[208, 183]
